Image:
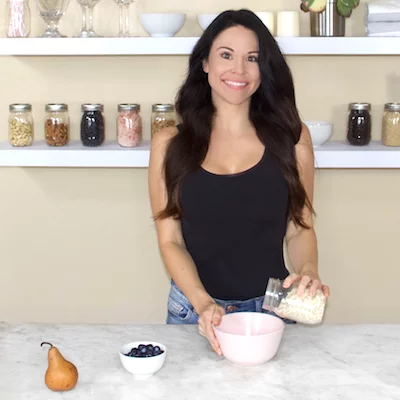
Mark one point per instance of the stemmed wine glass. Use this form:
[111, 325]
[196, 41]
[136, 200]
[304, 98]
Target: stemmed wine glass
[51, 11]
[87, 18]
[124, 17]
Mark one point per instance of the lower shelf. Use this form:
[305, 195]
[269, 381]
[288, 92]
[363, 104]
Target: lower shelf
[111, 155]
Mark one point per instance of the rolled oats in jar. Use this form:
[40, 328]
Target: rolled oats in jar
[20, 125]
[129, 125]
[391, 125]
[286, 303]
[56, 125]
[162, 116]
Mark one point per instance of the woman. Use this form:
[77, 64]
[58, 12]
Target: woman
[234, 179]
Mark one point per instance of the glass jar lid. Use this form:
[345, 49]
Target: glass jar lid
[392, 107]
[56, 107]
[20, 107]
[163, 107]
[360, 106]
[92, 107]
[129, 107]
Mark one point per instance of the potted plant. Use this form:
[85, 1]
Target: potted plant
[327, 17]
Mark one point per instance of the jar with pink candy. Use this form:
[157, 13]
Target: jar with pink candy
[129, 125]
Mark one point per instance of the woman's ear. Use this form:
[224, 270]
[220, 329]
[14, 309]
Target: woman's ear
[205, 66]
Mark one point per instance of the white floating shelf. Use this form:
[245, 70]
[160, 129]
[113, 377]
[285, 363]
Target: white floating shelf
[111, 155]
[184, 46]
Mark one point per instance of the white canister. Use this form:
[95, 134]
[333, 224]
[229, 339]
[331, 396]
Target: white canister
[288, 23]
[268, 18]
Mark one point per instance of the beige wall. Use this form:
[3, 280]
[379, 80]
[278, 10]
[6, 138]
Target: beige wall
[78, 245]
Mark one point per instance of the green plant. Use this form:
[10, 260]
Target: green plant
[344, 7]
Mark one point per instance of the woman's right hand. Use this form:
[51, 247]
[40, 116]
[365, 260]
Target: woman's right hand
[211, 314]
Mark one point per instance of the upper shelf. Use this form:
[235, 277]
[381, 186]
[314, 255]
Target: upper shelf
[184, 46]
[111, 155]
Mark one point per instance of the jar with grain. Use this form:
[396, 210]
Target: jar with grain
[129, 125]
[20, 125]
[285, 303]
[391, 124]
[162, 116]
[359, 124]
[92, 125]
[56, 125]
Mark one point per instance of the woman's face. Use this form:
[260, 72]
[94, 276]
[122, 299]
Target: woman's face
[232, 66]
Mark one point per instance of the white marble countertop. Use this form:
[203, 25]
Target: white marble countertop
[313, 363]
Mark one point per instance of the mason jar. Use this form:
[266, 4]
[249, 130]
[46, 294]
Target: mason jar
[92, 125]
[286, 303]
[359, 124]
[391, 124]
[129, 125]
[20, 125]
[162, 116]
[18, 18]
[56, 125]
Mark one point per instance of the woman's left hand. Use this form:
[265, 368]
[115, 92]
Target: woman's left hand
[307, 279]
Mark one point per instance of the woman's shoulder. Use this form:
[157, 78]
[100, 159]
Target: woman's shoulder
[160, 139]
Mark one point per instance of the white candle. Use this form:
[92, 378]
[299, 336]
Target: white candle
[268, 19]
[288, 23]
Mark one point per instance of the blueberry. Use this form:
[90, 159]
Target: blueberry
[157, 348]
[150, 347]
[143, 350]
[141, 346]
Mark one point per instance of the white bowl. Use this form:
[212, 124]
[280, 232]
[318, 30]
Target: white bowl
[321, 131]
[205, 20]
[142, 367]
[162, 25]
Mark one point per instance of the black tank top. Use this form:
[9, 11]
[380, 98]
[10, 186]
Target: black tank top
[234, 226]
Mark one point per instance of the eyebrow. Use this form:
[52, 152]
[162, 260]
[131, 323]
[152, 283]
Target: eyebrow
[228, 48]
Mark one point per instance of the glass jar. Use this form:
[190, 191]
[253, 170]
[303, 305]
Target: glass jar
[359, 124]
[18, 18]
[92, 125]
[162, 116]
[285, 303]
[391, 124]
[129, 125]
[20, 125]
[56, 126]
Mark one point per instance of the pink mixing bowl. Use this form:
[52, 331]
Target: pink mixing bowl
[249, 338]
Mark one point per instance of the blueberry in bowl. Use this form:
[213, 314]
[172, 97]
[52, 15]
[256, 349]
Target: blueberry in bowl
[142, 358]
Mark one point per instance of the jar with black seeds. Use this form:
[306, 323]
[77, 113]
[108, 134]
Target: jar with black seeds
[92, 125]
[359, 124]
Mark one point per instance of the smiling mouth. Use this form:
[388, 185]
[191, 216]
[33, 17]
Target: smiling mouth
[235, 85]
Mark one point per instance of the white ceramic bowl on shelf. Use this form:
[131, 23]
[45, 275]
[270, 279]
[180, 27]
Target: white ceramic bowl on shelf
[205, 20]
[320, 131]
[142, 367]
[162, 25]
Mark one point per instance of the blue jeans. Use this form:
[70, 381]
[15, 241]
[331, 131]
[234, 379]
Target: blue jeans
[180, 311]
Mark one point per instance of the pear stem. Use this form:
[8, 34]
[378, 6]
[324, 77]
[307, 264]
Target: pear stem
[47, 343]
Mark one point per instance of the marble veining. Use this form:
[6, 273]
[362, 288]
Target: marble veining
[328, 362]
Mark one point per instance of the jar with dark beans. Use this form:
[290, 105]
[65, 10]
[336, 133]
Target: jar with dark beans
[359, 124]
[92, 125]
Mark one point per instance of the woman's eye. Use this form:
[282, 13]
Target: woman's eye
[253, 58]
[227, 56]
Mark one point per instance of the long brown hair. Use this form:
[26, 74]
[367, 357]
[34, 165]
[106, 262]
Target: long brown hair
[273, 113]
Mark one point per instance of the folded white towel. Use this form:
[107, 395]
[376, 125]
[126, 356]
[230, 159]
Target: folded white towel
[387, 34]
[382, 27]
[382, 10]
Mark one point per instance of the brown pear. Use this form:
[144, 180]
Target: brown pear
[61, 375]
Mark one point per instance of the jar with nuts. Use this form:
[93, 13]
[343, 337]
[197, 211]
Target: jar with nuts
[20, 125]
[56, 125]
[129, 125]
[162, 116]
[391, 125]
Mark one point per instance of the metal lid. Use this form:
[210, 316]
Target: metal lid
[56, 107]
[360, 106]
[20, 107]
[163, 107]
[92, 107]
[392, 107]
[129, 107]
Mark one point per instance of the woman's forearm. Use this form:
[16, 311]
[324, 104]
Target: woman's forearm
[183, 271]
